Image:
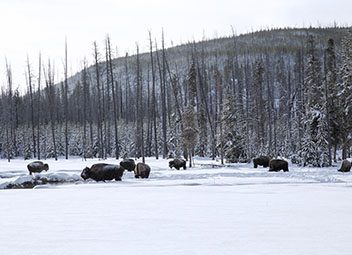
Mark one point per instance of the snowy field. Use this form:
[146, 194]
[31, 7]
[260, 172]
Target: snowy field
[208, 209]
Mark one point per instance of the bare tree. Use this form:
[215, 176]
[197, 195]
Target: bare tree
[100, 110]
[31, 102]
[154, 102]
[50, 90]
[114, 97]
[66, 102]
[9, 114]
[39, 108]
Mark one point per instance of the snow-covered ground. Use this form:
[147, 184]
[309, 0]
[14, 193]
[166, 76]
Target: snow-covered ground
[208, 209]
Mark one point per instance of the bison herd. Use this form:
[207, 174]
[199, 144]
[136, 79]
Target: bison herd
[276, 165]
[101, 171]
[105, 172]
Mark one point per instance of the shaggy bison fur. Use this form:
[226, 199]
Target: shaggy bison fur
[345, 166]
[177, 163]
[128, 164]
[141, 170]
[276, 165]
[37, 167]
[261, 161]
[103, 172]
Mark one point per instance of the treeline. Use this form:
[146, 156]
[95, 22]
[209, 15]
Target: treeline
[283, 92]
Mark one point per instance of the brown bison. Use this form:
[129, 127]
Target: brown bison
[128, 164]
[345, 166]
[37, 167]
[276, 165]
[261, 161]
[103, 172]
[177, 163]
[141, 170]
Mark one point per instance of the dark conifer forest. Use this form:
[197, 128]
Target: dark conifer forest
[280, 92]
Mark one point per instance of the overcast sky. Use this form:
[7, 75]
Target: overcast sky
[31, 26]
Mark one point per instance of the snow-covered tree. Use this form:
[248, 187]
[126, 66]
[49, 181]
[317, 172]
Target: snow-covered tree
[346, 93]
[189, 132]
[233, 142]
[314, 143]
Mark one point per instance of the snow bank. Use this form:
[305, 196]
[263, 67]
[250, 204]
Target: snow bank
[31, 181]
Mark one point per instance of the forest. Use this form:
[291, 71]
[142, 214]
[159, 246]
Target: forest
[279, 92]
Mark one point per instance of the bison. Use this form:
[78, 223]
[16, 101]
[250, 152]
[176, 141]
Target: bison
[128, 164]
[177, 163]
[141, 170]
[261, 161]
[103, 172]
[37, 167]
[276, 165]
[345, 166]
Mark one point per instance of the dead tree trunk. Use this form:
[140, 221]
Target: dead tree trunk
[114, 99]
[49, 80]
[39, 108]
[66, 103]
[29, 73]
[163, 103]
[99, 117]
[154, 113]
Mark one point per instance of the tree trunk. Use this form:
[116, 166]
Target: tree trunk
[32, 107]
[66, 103]
[154, 114]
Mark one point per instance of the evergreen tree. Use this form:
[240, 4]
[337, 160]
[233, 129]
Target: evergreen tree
[233, 142]
[331, 104]
[346, 93]
[315, 129]
[258, 95]
[189, 132]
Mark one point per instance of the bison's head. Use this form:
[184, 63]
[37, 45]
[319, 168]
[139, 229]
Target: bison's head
[171, 163]
[85, 173]
[128, 164]
[46, 167]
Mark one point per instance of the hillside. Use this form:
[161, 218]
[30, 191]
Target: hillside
[276, 42]
[279, 92]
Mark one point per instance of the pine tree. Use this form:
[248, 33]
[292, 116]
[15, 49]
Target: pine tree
[315, 128]
[322, 153]
[189, 132]
[331, 104]
[233, 142]
[346, 93]
[258, 92]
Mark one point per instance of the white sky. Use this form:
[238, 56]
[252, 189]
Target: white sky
[30, 26]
